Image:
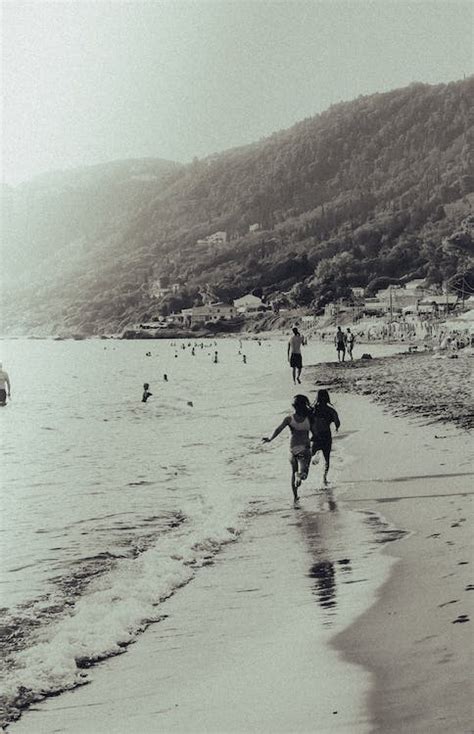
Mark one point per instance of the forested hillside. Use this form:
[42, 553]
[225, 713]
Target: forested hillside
[377, 187]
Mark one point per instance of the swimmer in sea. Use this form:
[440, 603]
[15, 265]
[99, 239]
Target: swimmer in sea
[5, 388]
[323, 414]
[300, 447]
[146, 393]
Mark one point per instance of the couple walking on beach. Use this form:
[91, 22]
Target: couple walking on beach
[308, 419]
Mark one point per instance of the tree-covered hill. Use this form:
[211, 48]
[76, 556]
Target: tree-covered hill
[378, 187]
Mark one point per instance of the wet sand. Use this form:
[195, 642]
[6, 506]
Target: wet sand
[301, 626]
[245, 647]
[417, 638]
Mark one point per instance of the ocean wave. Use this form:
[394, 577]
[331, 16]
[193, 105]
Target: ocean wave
[114, 608]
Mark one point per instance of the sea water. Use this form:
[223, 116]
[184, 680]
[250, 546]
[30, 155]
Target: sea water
[109, 504]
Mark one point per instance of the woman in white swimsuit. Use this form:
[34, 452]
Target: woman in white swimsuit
[300, 447]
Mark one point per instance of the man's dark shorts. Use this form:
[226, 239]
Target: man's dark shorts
[296, 361]
[3, 397]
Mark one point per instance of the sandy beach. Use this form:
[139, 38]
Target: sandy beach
[431, 386]
[300, 625]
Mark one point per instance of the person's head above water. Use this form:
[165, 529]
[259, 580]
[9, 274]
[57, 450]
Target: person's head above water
[322, 398]
[295, 330]
[146, 386]
[301, 405]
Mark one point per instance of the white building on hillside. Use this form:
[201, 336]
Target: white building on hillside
[209, 312]
[218, 238]
[247, 303]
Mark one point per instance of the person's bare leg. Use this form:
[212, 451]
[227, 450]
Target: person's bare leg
[295, 481]
[327, 460]
[298, 376]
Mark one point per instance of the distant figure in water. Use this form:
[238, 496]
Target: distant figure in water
[340, 343]
[146, 393]
[244, 359]
[148, 354]
[294, 354]
[193, 352]
[323, 414]
[5, 387]
[165, 378]
[216, 357]
[299, 424]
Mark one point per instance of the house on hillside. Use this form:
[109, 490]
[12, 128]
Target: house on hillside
[247, 303]
[218, 238]
[435, 305]
[358, 292]
[255, 227]
[207, 313]
[158, 289]
[343, 307]
[416, 287]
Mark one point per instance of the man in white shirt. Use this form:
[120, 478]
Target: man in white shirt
[4, 386]
[294, 354]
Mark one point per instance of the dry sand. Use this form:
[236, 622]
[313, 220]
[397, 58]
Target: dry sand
[246, 648]
[432, 386]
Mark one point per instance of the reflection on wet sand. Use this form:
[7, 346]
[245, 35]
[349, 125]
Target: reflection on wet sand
[325, 583]
[326, 536]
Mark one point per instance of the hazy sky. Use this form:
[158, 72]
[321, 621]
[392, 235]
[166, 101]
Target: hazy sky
[87, 82]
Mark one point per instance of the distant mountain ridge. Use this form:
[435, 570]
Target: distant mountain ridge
[378, 187]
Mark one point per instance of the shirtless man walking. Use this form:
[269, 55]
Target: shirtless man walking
[294, 354]
[5, 390]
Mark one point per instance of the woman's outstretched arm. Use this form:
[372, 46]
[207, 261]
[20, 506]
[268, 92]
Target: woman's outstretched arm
[277, 430]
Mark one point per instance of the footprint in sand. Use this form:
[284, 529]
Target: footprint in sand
[463, 563]
[462, 618]
[445, 604]
[469, 587]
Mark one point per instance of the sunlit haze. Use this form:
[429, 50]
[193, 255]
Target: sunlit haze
[89, 82]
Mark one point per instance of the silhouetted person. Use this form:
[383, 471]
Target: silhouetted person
[146, 393]
[5, 387]
[340, 342]
[294, 354]
[323, 414]
[350, 341]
